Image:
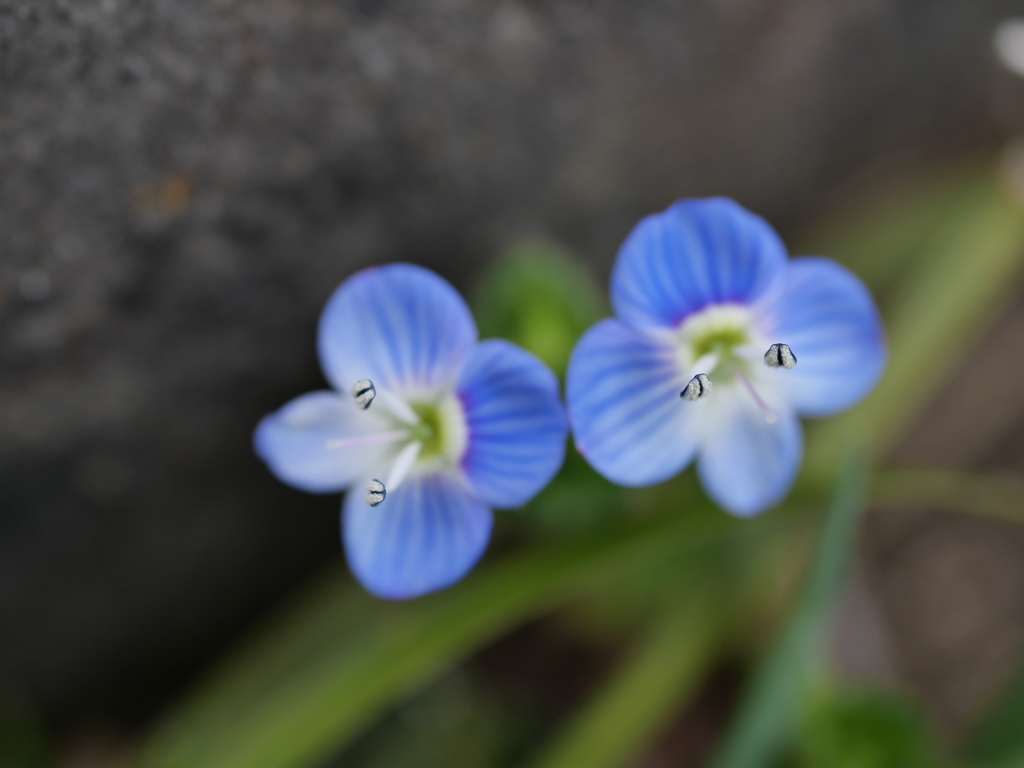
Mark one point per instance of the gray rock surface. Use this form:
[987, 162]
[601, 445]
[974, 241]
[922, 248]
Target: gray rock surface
[183, 183]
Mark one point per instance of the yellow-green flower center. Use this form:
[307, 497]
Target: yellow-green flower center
[720, 330]
[720, 340]
[441, 429]
[430, 431]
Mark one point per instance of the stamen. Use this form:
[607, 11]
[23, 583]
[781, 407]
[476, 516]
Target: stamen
[397, 407]
[769, 415]
[374, 439]
[705, 363]
[375, 493]
[699, 386]
[364, 392]
[403, 463]
[779, 356]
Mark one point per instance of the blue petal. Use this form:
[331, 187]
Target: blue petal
[424, 536]
[828, 318]
[401, 326]
[623, 397]
[695, 253]
[516, 424]
[747, 464]
[293, 441]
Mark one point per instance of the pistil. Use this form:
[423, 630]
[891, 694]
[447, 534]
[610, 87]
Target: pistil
[769, 415]
[374, 439]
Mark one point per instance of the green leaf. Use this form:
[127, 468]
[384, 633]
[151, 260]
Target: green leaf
[330, 667]
[865, 729]
[998, 740]
[768, 716]
[538, 296]
[643, 694]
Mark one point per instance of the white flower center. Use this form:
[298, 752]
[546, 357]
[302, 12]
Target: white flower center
[722, 345]
[717, 340]
[424, 435]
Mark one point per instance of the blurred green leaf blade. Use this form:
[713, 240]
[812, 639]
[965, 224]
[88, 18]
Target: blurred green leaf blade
[890, 229]
[998, 741]
[987, 494]
[660, 672]
[864, 729]
[320, 695]
[767, 719]
[937, 312]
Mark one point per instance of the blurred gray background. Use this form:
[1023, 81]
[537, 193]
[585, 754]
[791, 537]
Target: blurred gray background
[183, 183]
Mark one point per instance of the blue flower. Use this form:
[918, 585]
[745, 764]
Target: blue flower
[708, 305]
[435, 426]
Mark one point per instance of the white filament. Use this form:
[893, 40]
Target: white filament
[397, 407]
[403, 463]
[374, 439]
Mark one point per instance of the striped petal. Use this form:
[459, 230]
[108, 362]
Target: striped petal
[299, 442]
[695, 253]
[516, 424]
[828, 318]
[401, 326]
[623, 398]
[424, 536]
[746, 464]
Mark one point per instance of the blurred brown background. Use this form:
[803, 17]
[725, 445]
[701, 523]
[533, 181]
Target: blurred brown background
[183, 183]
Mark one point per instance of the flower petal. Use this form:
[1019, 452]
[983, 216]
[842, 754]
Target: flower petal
[516, 424]
[401, 326]
[827, 317]
[424, 536]
[747, 464]
[695, 253]
[623, 391]
[295, 442]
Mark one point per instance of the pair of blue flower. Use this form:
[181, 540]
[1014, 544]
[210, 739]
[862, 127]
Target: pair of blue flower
[438, 427]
